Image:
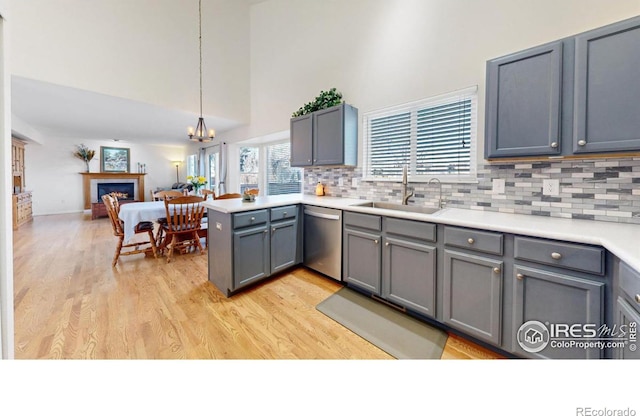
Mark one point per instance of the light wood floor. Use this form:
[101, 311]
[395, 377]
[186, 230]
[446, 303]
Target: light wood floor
[71, 304]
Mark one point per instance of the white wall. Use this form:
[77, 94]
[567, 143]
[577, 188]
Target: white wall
[52, 172]
[385, 52]
[144, 50]
[6, 224]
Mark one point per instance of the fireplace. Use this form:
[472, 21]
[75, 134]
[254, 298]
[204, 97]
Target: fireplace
[91, 180]
[122, 190]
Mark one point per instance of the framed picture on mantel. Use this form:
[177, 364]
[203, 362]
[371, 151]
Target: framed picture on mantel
[114, 159]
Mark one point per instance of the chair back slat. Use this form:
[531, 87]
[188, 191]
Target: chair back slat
[113, 209]
[184, 213]
[229, 196]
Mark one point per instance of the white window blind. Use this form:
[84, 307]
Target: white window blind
[281, 177]
[435, 137]
[249, 167]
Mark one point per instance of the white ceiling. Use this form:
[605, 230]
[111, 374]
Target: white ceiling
[58, 111]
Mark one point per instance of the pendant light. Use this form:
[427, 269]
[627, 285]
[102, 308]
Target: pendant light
[200, 134]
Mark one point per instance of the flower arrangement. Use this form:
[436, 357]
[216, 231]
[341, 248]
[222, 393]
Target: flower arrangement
[83, 152]
[197, 182]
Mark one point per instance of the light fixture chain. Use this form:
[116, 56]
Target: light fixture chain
[200, 41]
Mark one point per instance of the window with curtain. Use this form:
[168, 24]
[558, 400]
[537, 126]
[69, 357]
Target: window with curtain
[435, 137]
[212, 170]
[249, 167]
[281, 177]
[192, 165]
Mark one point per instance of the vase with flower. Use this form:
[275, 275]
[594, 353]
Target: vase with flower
[83, 152]
[197, 182]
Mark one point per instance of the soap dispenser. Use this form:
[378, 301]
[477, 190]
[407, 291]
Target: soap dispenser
[319, 189]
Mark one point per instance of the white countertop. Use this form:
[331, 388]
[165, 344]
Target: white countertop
[620, 239]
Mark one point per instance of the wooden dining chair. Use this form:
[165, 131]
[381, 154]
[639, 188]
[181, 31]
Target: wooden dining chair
[162, 195]
[229, 196]
[184, 221]
[207, 192]
[254, 191]
[137, 247]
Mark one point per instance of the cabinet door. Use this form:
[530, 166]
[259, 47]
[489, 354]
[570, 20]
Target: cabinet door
[524, 103]
[302, 140]
[250, 255]
[628, 319]
[555, 298]
[283, 244]
[472, 295]
[362, 260]
[607, 87]
[328, 134]
[409, 275]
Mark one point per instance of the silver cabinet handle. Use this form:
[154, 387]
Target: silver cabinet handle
[519, 276]
[265, 231]
[309, 160]
[556, 256]
[273, 229]
[554, 145]
[638, 298]
[284, 214]
[386, 244]
[471, 241]
[496, 269]
[375, 241]
[253, 218]
[582, 142]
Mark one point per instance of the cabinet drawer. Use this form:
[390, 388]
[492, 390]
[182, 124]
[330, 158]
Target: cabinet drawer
[483, 241]
[630, 284]
[371, 222]
[415, 229]
[559, 254]
[245, 219]
[283, 213]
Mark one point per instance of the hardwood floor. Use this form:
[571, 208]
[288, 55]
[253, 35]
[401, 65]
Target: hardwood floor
[71, 304]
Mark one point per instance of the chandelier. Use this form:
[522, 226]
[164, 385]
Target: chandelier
[200, 134]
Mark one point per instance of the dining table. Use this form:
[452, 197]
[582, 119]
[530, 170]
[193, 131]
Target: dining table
[135, 212]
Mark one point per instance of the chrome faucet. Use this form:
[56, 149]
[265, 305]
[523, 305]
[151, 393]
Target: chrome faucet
[405, 195]
[440, 203]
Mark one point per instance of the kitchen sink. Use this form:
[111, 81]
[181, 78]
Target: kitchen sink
[399, 207]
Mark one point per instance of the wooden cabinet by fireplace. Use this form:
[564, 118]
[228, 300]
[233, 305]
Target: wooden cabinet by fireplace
[22, 212]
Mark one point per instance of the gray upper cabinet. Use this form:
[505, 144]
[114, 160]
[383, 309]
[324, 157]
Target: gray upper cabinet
[302, 140]
[325, 137]
[576, 95]
[523, 103]
[606, 105]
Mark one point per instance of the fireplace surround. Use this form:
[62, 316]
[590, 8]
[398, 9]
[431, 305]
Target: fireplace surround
[90, 181]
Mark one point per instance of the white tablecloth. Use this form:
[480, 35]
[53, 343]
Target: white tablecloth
[135, 212]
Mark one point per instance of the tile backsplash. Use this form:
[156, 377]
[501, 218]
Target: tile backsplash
[593, 189]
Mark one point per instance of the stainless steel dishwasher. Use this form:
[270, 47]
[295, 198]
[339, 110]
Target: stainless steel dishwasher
[323, 240]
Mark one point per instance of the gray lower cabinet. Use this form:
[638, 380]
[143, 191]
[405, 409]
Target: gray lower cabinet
[627, 320]
[552, 297]
[250, 255]
[472, 295]
[283, 244]
[363, 255]
[249, 246]
[409, 274]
